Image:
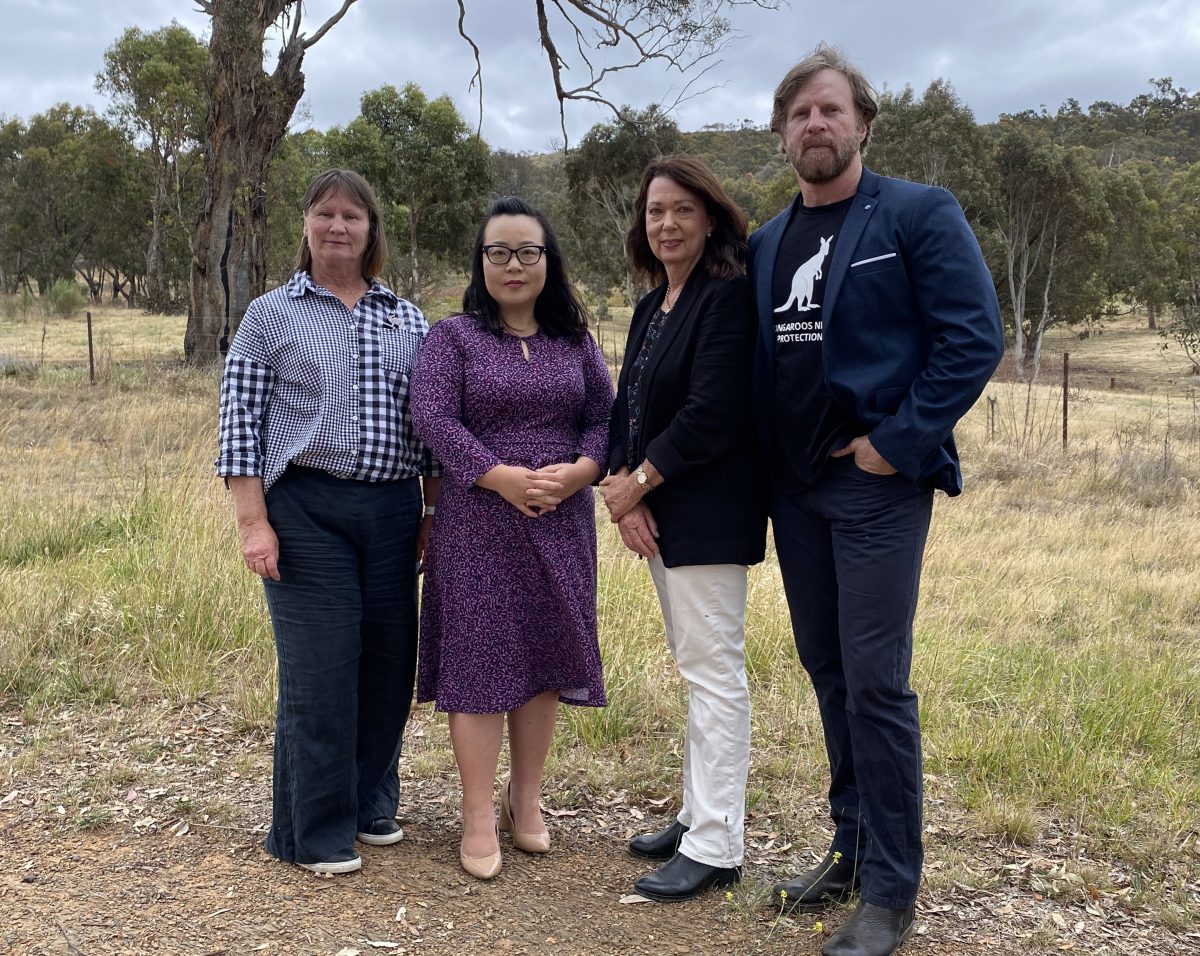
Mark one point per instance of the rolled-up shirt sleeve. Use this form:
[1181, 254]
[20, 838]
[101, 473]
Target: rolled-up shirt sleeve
[246, 389]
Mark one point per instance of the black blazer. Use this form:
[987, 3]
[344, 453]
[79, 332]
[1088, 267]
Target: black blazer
[697, 427]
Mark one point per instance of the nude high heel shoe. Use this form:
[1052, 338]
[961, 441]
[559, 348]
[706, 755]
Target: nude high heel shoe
[482, 867]
[529, 842]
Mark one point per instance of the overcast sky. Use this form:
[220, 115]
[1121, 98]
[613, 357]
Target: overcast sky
[1000, 56]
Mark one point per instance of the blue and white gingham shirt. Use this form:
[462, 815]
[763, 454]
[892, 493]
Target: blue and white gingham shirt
[307, 381]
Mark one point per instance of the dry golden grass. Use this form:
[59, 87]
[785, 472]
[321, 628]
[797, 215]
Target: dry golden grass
[1055, 649]
[118, 335]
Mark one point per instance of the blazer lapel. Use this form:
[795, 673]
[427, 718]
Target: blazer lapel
[681, 315]
[857, 216]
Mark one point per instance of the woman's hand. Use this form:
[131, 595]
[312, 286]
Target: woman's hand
[260, 548]
[423, 531]
[573, 476]
[621, 494]
[528, 491]
[639, 531]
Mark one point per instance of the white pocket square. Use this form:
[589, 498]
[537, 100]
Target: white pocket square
[863, 262]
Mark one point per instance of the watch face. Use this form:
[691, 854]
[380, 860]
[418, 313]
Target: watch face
[641, 477]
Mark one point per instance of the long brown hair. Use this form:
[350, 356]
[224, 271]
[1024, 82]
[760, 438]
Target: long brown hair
[725, 249]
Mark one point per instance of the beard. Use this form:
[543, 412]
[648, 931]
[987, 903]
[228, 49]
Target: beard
[821, 166]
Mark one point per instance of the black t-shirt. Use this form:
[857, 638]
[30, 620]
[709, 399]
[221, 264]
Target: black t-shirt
[808, 423]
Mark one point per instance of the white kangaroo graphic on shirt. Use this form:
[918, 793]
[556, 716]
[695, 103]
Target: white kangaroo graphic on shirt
[804, 279]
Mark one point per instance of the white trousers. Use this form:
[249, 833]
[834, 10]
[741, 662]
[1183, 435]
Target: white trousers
[704, 610]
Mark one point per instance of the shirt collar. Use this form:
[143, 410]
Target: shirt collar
[301, 284]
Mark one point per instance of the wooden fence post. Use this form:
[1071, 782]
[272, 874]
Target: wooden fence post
[1066, 387]
[91, 352]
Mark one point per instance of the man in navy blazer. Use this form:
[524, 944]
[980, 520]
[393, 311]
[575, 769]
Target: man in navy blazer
[878, 330]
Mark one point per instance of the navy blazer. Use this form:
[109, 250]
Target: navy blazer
[696, 428]
[912, 328]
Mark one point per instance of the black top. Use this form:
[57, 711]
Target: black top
[634, 388]
[695, 424]
[809, 424]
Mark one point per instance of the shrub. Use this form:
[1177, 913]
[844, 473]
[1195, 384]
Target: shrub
[65, 298]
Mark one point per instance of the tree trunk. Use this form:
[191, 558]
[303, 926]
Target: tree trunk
[414, 286]
[1151, 316]
[158, 295]
[248, 115]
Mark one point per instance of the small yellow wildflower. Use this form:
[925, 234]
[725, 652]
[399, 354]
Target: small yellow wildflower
[818, 927]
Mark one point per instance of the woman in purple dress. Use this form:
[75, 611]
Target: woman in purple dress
[513, 397]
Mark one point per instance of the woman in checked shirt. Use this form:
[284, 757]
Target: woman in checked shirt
[317, 448]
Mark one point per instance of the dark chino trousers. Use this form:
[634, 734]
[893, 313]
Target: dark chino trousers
[850, 550]
[344, 612]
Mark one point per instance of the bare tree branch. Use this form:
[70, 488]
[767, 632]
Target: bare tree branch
[462, 16]
[681, 35]
[329, 24]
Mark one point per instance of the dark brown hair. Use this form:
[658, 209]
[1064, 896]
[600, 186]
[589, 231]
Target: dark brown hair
[724, 251]
[351, 185]
[825, 57]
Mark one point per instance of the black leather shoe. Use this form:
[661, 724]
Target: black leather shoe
[871, 931]
[658, 846]
[834, 880]
[382, 831]
[682, 878]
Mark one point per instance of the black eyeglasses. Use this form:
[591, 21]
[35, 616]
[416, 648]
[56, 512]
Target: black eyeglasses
[526, 255]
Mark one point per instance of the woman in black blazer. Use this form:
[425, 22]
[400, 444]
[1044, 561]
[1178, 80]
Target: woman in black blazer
[686, 489]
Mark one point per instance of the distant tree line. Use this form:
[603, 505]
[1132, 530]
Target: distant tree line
[1081, 213]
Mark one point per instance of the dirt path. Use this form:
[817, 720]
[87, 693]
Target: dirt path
[125, 833]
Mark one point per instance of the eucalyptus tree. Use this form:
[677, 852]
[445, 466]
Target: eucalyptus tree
[1054, 223]
[432, 172]
[934, 139]
[156, 84]
[69, 179]
[603, 172]
[249, 111]
[248, 114]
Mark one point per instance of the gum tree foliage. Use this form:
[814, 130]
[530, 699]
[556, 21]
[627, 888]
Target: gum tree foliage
[603, 173]
[1054, 223]
[156, 84]
[69, 198]
[934, 140]
[298, 158]
[249, 110]
[1141, 268]
[432, 173]
[1183, 209]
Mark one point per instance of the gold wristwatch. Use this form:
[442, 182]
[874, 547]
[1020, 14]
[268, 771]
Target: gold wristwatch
[642, 478]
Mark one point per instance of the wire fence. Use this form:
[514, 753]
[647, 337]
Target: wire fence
[1073, 410]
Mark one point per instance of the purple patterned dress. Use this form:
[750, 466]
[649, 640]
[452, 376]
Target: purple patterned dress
[508, 609]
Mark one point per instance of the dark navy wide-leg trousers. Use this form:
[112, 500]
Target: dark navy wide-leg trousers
[850, 550]
[344, 614]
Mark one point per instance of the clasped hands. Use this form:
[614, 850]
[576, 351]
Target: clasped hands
[535, 492]
[623, 498]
